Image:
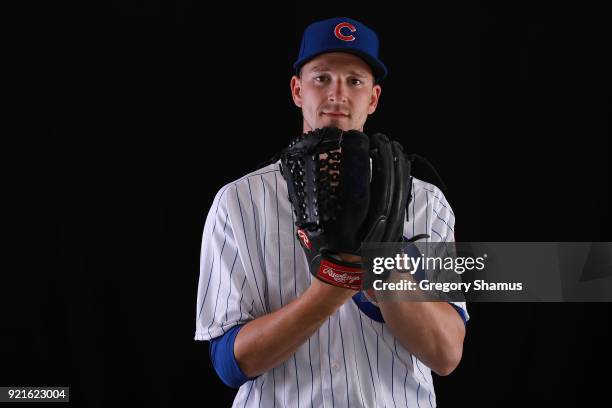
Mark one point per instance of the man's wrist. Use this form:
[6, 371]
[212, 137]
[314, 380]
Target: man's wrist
[328, 297]
[351, 258]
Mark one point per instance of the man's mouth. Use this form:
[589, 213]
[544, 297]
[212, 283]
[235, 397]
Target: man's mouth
[336, 114]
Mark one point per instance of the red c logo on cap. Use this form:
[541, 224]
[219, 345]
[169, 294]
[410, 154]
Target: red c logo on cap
[343, 37]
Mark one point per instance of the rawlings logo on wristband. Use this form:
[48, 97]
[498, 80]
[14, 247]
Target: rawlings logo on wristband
[339, 275]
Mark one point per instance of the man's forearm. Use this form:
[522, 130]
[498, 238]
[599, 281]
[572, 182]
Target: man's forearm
[432, 331]
[269, 340]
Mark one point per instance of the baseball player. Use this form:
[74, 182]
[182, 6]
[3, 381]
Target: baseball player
[277, 332]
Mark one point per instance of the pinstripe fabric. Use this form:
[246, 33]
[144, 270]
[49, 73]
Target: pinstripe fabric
[251, 264]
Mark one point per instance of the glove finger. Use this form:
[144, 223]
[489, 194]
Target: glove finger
[401, 188]
[381, 188]
[354, 190]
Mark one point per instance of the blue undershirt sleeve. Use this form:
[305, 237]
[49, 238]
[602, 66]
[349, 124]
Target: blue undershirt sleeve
[224, 361]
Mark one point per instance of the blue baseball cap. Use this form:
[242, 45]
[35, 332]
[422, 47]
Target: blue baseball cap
[341, 34]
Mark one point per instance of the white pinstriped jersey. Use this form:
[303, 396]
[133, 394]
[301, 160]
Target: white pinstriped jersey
[252, 264]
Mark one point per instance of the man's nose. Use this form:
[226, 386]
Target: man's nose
[337, 91]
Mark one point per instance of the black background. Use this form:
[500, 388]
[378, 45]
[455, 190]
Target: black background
[130, 116]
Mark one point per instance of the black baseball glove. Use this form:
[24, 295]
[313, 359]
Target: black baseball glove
[346, 189]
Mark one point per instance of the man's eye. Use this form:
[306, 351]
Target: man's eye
[355, 81]
[321, 78]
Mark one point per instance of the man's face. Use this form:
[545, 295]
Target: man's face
[335, 89]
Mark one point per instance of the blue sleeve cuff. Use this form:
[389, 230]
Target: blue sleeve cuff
[223, 359]
[373, 312]
[369, 309]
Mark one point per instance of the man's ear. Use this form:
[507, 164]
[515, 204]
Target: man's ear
[376, 91]
[296, 91]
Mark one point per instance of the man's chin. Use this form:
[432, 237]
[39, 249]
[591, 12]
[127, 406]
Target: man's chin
[337, 123]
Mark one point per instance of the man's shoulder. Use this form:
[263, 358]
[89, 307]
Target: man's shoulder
[263, 175]
[420, 186]
[432, 192]
[268, 171]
